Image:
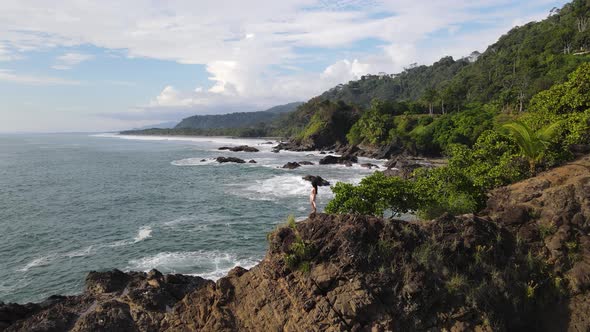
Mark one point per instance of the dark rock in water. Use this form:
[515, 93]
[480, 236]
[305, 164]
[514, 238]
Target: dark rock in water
[347, 160]
[369, 165]
[241, 148]
[291, 165]
[304, 162]
[222, 160]
[319, 180]
[322, 152]
[252, 161]
[402, 166]
[202, 160]
[269, 142]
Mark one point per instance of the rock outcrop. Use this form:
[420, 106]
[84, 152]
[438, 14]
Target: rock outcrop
[522, 264]
[347, 160]
[318, 179]
[222, 160]
[241, 148]
[291, 165]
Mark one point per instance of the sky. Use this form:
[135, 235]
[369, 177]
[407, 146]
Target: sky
[84, 65]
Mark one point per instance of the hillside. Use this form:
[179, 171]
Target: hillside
[236, 120]
[523, 264]
[523, 62]
[426, 109]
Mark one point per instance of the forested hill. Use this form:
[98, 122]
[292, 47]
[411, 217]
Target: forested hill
[408, 85]
[236, 120]
[426, 109]
[524, 61]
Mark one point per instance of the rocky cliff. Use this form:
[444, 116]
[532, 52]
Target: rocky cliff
[522, 264]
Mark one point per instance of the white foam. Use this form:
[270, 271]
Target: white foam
[81, 252]
[178, 220]
[278, 186]
[193, 162]
[215, 264]
[145, 232]
[37, 262]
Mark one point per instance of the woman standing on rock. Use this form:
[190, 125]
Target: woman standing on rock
[314, 192]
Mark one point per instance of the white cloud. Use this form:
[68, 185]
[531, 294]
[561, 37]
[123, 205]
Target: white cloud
[7, 75]
[255, 51]
[344, 70]
[69, 60]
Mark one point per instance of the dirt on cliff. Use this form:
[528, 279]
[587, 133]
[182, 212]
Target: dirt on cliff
[522, 264]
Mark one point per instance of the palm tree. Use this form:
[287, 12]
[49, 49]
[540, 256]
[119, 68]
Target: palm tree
[532, 143]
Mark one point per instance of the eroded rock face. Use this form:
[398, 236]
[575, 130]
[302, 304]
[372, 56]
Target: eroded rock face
[553, 210]
[504, 269]
[112, 301]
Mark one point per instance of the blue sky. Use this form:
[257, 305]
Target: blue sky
[68, 65]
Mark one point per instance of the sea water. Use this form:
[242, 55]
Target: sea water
[74, 203]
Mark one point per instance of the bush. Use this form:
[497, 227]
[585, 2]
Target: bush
[375, 195]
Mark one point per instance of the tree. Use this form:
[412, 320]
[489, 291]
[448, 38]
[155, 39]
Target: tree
[532, 144]
[430, 96]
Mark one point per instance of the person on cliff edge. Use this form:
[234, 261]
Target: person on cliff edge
[312, 196]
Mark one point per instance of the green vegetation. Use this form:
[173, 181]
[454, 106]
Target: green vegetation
[374, 195]
[494, 158]
[532, 144]
[300, 252]
[456, 284]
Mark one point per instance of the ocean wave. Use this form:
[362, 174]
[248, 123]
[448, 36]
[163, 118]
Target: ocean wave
[193, 162]
[213, 264]
[87, 251]
[38, 262]
[145, 232]
[178, 220]
[280, 186]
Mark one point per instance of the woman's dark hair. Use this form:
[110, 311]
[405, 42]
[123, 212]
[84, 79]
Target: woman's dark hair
[314, 184]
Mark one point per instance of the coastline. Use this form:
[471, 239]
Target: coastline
[365, 273]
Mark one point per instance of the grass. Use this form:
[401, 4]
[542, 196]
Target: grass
[546, 230]
[530, 289]
[573, 252]
[291, 221]
[456, 284]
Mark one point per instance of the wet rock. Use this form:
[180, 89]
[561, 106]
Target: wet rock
[318, 179]
[369, 165]
[222, 160]
[402, 166]
[241, 148]
[252, 161]
[347, 160]
[308, 163]
[291, 165]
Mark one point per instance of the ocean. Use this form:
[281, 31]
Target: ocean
[74, 203]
